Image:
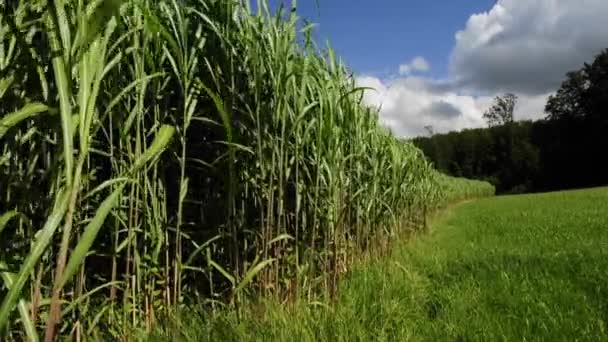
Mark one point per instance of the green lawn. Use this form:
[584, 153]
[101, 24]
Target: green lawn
[531, 267]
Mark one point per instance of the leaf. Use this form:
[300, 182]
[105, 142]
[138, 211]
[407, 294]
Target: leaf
[28, 325]
[183, 190]
[206, 120]
[43, 239]
[14, 118]
[89, 235]
[116, 100]
[96, 319]
[124, 243]
[354, 90]
[236, 146]
[93, 21]
[219, 105]
[200, 248]
[252, 272]
[162, 139]
[280, 237]
[223, 272]
[7, 217]
[321, 304]
[59, 40]
[5, 84]
[105, 185]
[81, 298]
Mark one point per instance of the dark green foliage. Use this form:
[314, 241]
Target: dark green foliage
[563, 151]
[501, 111]
[503, 155]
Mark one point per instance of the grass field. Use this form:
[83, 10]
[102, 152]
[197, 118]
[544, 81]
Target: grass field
[527, 267]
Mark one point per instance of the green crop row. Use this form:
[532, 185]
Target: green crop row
[160, 154]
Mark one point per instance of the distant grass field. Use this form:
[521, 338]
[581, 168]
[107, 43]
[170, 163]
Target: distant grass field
[527, 267]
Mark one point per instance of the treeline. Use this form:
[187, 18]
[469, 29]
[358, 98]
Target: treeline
[165, 154]
[567, 149]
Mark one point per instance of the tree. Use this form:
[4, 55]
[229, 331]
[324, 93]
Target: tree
[596, 89]
[583, 94]
[578, 111]
[568, 100]
[501, 111]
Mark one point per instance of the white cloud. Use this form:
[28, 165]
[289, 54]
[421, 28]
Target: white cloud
[524, 47]
[416, 64]
[528, 46]
[409, 104]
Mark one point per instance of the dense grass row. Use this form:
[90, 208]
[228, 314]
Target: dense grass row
[160, 154]
[510, 268]
[454, 189]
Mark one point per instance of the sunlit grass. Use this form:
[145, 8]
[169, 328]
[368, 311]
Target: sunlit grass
[526, 267]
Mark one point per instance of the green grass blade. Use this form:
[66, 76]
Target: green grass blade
[44, 238]
[162, 139]
[89, 235]
[5, 84]
[28, 325]
[280, 238]
[251, 273]
[12, 119]
[6, 217]
[57, 23]
[223, 272]
[200, 248]
[73, 304]
[219, 105]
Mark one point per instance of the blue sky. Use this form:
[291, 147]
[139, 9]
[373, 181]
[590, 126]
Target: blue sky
[375, 37]
[442, 62]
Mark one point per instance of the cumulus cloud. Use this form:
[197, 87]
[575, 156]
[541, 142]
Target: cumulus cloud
[528, 46]
[523, 47]
[443, 110]
[416, 64]
[409, 104]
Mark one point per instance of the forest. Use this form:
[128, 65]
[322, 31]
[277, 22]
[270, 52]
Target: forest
[563, 150]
